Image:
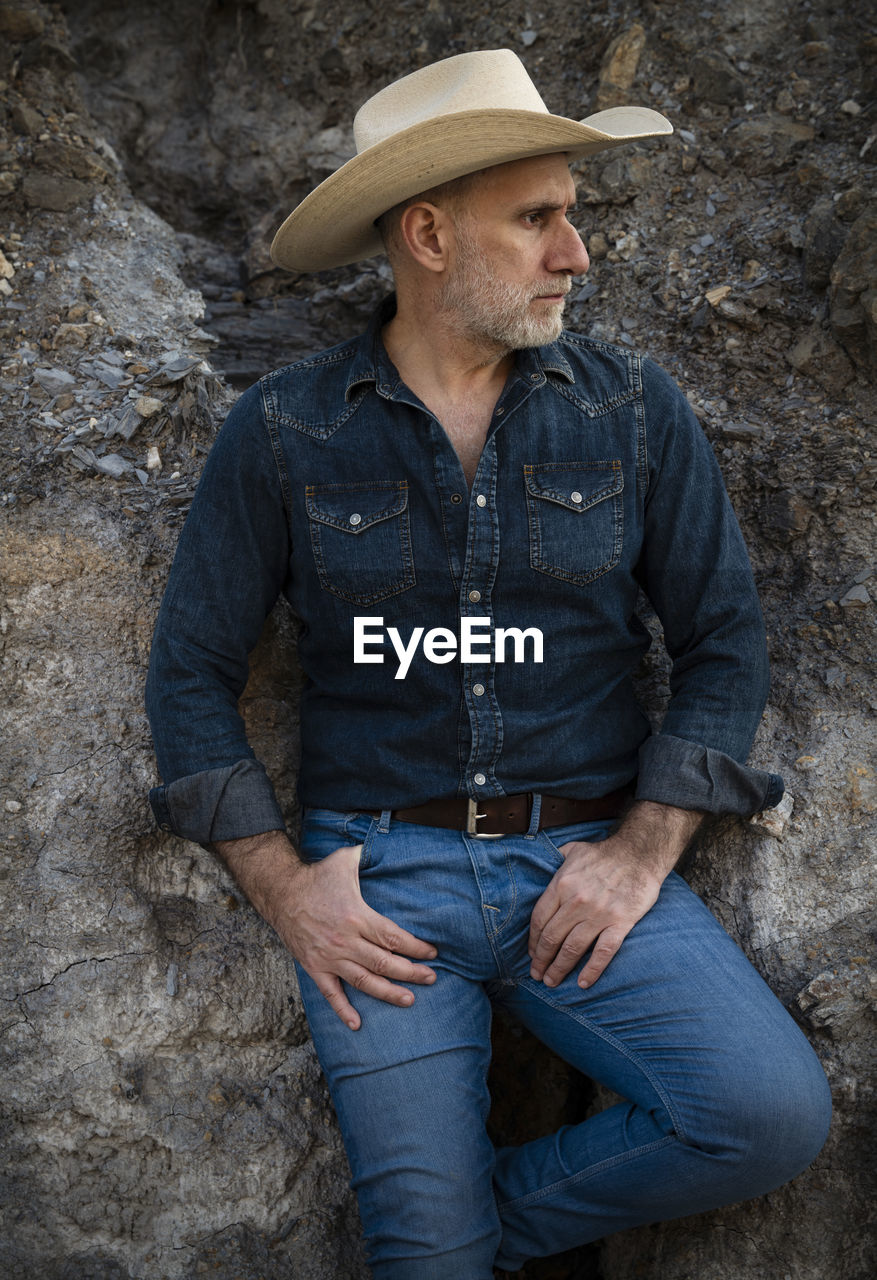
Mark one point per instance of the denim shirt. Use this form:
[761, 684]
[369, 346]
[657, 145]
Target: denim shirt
[332, 483]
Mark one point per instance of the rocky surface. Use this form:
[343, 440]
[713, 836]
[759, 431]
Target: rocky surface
[163, 1112]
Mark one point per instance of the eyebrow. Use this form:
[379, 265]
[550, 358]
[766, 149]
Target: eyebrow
[547, 206]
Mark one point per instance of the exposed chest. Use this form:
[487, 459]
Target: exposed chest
[466, 427]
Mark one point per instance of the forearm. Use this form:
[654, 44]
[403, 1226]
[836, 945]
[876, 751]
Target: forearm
[260, 864]
[656, 835]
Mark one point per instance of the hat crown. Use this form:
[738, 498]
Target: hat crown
[488, 79]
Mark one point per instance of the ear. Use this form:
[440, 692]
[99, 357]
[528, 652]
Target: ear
[427, 233]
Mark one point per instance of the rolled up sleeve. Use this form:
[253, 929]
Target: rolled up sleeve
[691, 776]
[218, 804]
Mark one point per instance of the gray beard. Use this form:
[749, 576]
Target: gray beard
[493, 313]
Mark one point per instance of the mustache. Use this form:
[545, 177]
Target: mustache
[549, 288]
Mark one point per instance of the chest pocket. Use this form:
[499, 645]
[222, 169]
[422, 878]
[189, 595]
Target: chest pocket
[576, 518]
[361, 539]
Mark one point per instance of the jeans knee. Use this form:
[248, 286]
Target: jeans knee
[775, 1128]
[429, 1224]
[427, 1257]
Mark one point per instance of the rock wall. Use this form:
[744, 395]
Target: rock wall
[163, 1113]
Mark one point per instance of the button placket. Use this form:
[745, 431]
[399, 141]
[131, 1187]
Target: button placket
[485, 721]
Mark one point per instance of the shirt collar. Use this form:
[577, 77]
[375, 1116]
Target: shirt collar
[543, 360]
[372, 364]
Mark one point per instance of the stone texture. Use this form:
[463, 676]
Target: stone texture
[49, 191]
[164, 1115]
[716, 80]
[825, 234]
[766, 144]
[821, 358]
[619, 67]
[853, 294]
[130, 979]
[20, 22]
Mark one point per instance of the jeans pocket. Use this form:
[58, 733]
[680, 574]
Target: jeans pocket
[576, 518]
[361, 539]
[325, 830]
[588, 832]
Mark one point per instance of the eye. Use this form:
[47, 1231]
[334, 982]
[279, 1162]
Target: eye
[534, 218]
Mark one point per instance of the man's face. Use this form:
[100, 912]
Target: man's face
[515, 254]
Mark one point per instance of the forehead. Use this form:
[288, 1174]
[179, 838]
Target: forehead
[535, 178]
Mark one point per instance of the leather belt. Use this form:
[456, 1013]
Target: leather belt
[510, 815]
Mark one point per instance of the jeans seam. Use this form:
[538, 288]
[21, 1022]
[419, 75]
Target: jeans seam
[511, 910]
[553, 848]
[582, 1176]
[492, 933]
[365, 853]
[617, 1044]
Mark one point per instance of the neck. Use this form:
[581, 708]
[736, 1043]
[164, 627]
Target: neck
[438, 360]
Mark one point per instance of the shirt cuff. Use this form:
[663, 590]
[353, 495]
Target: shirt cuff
[218, 804]
[689, 776]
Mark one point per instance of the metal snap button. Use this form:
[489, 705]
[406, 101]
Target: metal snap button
[576, 496]
[478, 690]
[474, 596]
[479, 779]
[356, 518]
[481, 501]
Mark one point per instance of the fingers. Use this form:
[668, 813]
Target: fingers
[559, 948]
[569, 919]
[592, 902]
[559, 932]
[370, 983]
[353, 946]
[392, 937]
[605, 948]
[379, 929]
[553, 961]
[542, 944]
[331, 988]
[385, 964]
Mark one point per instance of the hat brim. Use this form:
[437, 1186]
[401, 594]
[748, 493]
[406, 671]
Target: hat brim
[334, 225]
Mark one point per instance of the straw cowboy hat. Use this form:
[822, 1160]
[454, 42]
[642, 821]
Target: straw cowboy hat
[448, 119]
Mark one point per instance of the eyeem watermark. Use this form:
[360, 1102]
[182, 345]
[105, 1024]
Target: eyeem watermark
[474, 643]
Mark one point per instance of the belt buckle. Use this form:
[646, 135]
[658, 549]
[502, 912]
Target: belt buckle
[472, 817]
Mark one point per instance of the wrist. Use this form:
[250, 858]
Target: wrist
[656, 835]
[260, 864]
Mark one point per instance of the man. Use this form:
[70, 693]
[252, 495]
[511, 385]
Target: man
[462, 506]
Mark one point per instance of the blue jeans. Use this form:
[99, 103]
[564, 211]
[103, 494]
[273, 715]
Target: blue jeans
[723, 1098]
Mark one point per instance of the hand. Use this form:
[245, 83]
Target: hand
[602, 890]
[320, 915]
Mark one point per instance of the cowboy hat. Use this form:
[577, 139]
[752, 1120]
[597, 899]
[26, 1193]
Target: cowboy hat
[438, 123]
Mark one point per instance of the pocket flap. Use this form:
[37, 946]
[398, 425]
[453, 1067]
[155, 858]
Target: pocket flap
[574, 485]
[355, 508]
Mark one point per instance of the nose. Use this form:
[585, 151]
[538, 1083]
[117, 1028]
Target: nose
[568, 252]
